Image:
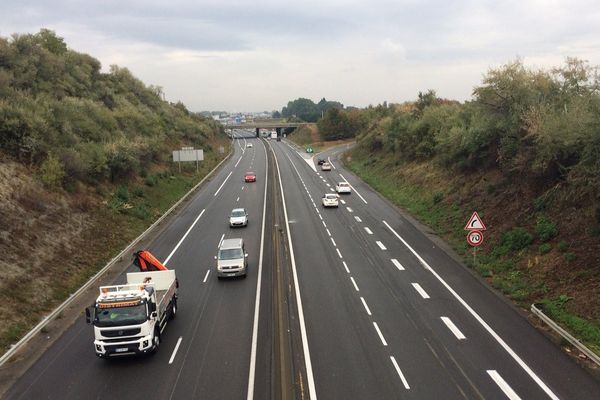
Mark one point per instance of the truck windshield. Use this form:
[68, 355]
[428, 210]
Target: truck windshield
[230, 254]
[119, 316]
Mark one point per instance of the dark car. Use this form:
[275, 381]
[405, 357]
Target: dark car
[320, 161]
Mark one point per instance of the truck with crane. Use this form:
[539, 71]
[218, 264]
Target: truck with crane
[130, 318]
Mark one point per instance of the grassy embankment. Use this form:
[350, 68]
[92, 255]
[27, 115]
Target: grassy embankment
[512, 260]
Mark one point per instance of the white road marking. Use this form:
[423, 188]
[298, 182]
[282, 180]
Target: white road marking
[320, 217]
[339, 254]
[175, 350]
[354, 283]
[357, 218]
[498, 339]
[328, 185]
[329, 233]
[183, 238]
[397, 264]
[349, 209]
[345, 266]
[459, 335]
[206, 276]
[343, 202]
[419, 289]
[503, 385]
[333, 241]
[220, 187]
[252, 372]
[324, 224]
[332, 189]
[404, 382]
[238, 161]
[355, 191]
[366, 306]
[368, 231]
[221, 240]
[381, 245]
[243, 187]
[379, 333]
[238, 199]
[307, 360]
[329, 160]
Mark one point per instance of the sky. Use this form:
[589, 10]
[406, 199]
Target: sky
[258, 55]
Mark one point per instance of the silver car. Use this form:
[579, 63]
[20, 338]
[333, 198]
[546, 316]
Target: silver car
[231, 258]
[238, 217]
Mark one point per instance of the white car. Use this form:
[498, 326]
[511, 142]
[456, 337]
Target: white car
[249, 145]
[238, 217]
[325, 166]
[343, 187]
[330, 200]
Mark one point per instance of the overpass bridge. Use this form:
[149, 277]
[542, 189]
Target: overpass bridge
[278, 126]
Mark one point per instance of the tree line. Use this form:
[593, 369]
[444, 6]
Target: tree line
[61, 113]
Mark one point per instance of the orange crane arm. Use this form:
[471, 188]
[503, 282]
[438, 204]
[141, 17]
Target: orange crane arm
[145, 261]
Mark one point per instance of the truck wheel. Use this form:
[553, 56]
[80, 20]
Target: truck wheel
[173, 309]
[156, 342]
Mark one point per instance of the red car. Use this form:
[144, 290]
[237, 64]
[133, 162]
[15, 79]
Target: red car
[250, 177]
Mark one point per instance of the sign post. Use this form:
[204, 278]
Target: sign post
[475, 226]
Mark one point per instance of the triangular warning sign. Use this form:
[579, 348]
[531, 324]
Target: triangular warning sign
[475, 223]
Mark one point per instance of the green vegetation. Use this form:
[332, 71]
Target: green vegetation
[307, 110]
[60, 112]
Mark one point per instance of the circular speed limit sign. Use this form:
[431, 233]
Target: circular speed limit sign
[475, 238]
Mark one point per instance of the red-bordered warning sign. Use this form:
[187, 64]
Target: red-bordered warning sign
[475, 238]
[475, 223]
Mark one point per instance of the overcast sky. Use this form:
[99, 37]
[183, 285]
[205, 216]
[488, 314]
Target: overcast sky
[258, 55]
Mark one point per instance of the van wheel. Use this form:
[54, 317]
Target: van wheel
[173, 309]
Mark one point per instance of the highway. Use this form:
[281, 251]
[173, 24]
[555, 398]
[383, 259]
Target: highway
[347, 303]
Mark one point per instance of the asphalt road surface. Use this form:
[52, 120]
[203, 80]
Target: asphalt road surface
[369, 306]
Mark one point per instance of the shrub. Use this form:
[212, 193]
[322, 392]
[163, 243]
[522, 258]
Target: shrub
[545, 248]
[545, 229]
[517, 239]
[151, 180]
[122, 194]
[438, 197]
[570, 256]
[52, 172]
[563, 246]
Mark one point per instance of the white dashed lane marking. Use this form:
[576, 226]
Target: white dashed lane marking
[459, 335]
[366, 306]
[419, 289]
[368, 231]
[357, 218]
[349, 209]
[381, 245]
[400, 374]
[503, 385]
[380, 334]
[354, 283]
[397, 264]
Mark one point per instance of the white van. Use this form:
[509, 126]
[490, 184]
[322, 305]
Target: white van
[231, 258]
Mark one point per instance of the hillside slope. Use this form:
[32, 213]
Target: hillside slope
[84, 168]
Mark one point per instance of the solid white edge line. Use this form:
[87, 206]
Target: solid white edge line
[453, 328]
[354, 283]
[503, 385]
[370, 232]
[421, 291]
[220, 187]
[183, 238]
[307, 361]
[381, 245]
[365, 304]
[175, 350]
[397, 264]
[404, 381]
[356, 191]
[252, 372]
[379, 333]
[206, 276]
[502, 343]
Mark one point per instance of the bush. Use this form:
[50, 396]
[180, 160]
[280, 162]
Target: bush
[545, 229]
[438, 197]
[545, 248]
[52, 172]
[563, 246]
[517, 239]
[570, 256]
